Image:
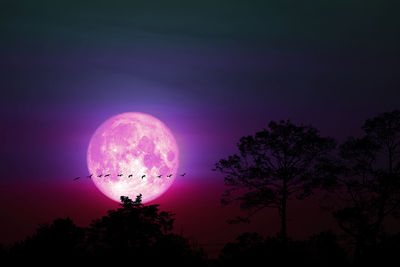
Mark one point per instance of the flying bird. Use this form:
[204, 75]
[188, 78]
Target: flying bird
[100, 175]
[119, 175]
[183, 174]
[159, 176]
[107, 175]
[90, 176]
[76, 178]
[143, 176]
[169, 175]
[130, 175]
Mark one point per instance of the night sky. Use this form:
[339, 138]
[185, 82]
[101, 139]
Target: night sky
[212, 71]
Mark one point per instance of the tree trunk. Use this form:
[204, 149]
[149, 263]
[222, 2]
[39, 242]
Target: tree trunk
[283, 212]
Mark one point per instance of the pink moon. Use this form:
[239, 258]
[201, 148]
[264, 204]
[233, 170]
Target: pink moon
[133, 149]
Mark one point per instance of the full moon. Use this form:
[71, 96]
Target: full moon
[133, 153]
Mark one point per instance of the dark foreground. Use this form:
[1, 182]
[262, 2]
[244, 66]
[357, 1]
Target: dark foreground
[136, 234]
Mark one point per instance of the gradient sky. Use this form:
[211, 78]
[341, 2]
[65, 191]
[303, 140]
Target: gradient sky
[213, 71]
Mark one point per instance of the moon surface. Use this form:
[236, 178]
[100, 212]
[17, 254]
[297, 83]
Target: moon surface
[133, 144]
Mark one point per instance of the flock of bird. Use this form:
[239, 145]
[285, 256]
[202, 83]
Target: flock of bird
[120, 175]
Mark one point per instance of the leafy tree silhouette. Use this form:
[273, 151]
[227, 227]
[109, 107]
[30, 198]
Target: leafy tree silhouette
[142, 232]
[272, 166]
[367, 186]
[134, 233]
[62, 237]
[133, 227]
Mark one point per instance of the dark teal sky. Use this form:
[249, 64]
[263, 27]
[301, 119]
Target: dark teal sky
[331, 24]
[335, 53]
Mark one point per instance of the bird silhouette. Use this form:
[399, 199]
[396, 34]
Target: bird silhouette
[159, 176]
[107, 175]
[100, 175]
[90, 176]
[119, 175]
[76, 178]
[169, 175]
[130, 175]
[143, 176]
[183, 174]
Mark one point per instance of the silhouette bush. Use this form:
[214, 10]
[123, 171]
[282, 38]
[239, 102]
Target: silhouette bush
[386, 252]
[251, 249]
[324, 250]
[60, 238]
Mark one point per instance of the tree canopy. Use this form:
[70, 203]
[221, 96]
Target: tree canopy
[367, 187]
[272, 166]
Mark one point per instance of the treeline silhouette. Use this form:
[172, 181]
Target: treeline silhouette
[357, 181]
[134, 233]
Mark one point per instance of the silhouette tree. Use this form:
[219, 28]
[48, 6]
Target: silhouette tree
[134, 233]
[130, 228]
[367, 186]
[272, 166]
[141, 232]
[62, 237]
